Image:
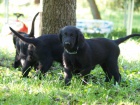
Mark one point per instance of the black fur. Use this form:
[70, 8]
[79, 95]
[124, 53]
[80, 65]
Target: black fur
[82, 55]
[21, 47]
[44, 50]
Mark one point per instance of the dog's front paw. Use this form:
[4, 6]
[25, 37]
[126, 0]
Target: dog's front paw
[67, 81]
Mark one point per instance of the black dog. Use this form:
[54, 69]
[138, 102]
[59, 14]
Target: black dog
[21, 47]
[44, 50]
[82, 55]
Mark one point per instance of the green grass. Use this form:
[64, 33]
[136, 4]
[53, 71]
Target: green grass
[51, 90]
[15, 90]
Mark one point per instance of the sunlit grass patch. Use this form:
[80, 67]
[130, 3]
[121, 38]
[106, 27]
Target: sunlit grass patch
[51, 89]
[130, 50]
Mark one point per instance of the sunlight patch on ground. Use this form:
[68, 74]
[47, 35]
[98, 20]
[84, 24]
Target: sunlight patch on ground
[6, 43]
[130, 50]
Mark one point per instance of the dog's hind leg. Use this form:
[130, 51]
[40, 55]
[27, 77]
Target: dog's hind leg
[106, 71]
[44, 66]
[113, 69]
[85, 73]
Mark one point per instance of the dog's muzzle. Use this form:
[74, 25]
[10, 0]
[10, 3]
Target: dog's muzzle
[67, 43]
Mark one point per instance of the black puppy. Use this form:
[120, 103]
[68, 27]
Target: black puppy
[82, 55]
[44, 50]
[21, 47]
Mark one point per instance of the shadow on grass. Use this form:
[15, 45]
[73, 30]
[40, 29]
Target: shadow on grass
[6, 58]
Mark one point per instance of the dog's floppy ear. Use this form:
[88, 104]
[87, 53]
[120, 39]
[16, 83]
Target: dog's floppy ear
[60, 35]
[80, 38]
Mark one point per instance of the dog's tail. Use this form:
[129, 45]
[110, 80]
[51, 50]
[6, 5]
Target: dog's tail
[25, 39]
[32, 27]
[120, 40]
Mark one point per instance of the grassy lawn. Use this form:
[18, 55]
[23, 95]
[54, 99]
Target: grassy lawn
[15, 90]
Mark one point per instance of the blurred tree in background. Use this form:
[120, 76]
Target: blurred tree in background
[57, 14]
[94, 9]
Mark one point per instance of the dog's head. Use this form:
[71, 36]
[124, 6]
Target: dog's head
[71, 38]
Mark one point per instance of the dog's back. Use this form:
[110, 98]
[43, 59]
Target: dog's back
[101, 48]
[51, 45]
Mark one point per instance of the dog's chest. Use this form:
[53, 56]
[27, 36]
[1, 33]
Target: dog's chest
[76, 63]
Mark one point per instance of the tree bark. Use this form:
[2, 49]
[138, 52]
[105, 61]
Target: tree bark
[94, 9]
[57, 14]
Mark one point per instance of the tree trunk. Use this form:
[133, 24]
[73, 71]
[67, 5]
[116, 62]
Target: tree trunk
[57, 14]
[94, 9]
